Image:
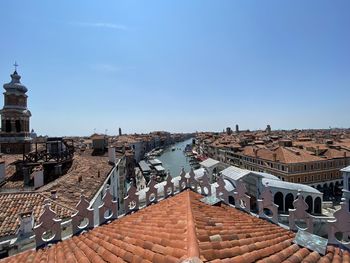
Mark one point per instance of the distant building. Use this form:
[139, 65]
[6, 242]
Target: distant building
[120, 131]
[237, 128]
[228, 131]
[15, 136]
[268, 129]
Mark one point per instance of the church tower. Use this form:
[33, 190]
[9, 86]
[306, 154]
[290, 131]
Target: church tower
[15, 136]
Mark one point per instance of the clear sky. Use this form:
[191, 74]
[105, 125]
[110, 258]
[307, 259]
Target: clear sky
[179, 65]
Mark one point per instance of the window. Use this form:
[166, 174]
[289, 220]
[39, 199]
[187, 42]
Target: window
[8, 126]
[298, 179]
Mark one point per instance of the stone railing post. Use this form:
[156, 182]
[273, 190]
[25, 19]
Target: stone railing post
[110, 205]
[168, 187]
[192, 182]
[205, 185]
[48, 229]
[221, 192]
[131, 202]
[242, 200]
[266, 202]
[299, 213]
[341, 224]
[152, 192]
[183, 182]
[84, 213]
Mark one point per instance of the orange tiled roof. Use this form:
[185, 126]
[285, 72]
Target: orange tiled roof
[14, 203]
[178, 228]
[93, 171]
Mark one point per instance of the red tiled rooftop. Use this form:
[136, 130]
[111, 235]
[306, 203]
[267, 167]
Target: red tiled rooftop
[14, 203]
[180, 227]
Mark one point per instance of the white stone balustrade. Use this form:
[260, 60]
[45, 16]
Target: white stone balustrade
[48, 229]
[266, 203]
[131, 202]
[108, 205]
[299, 213]
[340, 226]
[85, 216]
[242, 200]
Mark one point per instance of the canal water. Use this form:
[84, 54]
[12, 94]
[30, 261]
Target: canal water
[175, 160]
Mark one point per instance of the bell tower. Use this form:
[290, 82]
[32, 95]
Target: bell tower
[15, 136]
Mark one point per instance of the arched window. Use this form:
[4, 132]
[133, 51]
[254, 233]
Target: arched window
[309, 202]
[318, 206]
[289, 201]
[278, 200]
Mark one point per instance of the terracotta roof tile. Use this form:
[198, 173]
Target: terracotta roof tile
[160, 233]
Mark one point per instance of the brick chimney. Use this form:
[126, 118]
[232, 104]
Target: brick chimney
[26, 176]
[26, 221]
[274, 156]
[54, 194]
[111, 155]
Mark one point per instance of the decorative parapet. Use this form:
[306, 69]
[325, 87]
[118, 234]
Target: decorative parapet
[192, 182]
[49, 228]
[84, 218]
[221, 192]
[266, 203]
[108, 205]
[340, 226]
[183, 182]
[299, 213]
[152, 192]
[205, 185]
[242, 200]
[168, 187]
[131, 202]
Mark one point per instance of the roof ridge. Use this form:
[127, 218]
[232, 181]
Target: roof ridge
[192, 240]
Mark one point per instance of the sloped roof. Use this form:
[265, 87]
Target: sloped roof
[235, 173]
[14, 203]
[209, 163]
[178, 228]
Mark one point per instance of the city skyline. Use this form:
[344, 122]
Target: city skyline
[180, 67]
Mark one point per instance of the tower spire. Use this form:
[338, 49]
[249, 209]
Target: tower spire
[15, 65]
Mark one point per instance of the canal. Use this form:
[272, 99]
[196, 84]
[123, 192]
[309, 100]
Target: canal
[175, 160]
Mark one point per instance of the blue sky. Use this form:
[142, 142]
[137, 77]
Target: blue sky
[179, 65]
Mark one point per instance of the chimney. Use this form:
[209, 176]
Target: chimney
[38, 177]
[255, 152]
[111, 155]
[26, 176]
[80, 178]
[344, 157]
[54, 194]
[26, 220]
[274, 156]
[317, 150]
[58, 169]
[2, 170]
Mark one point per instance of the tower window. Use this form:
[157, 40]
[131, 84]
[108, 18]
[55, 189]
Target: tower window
[18, 125]
[8, 126]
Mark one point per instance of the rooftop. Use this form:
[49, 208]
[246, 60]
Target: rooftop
[182, 227]
[14, 203]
